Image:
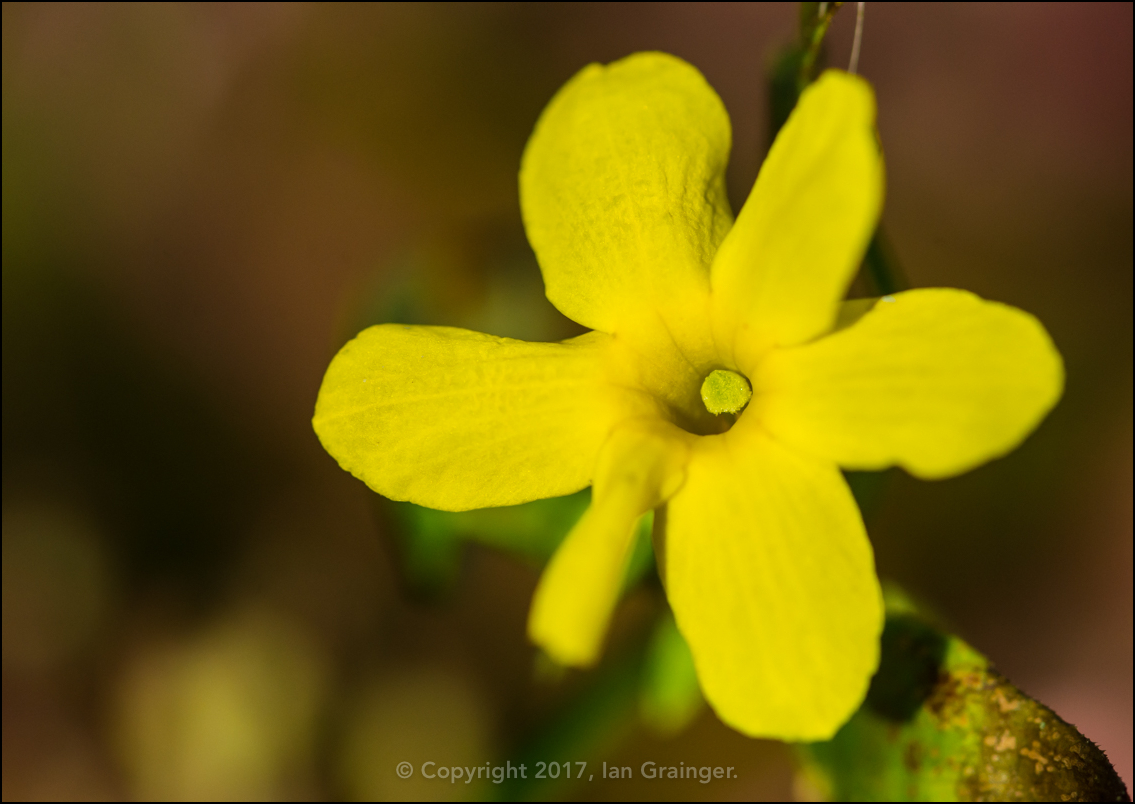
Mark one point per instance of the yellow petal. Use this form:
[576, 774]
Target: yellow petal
[937, 381]
[623, 193]
[639, 468]
[455, 420]
[780, 274]
[772, 581]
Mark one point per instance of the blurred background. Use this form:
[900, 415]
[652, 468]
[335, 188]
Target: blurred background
[202, 203]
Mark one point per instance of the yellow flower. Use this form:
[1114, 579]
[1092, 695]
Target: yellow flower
[760, 545]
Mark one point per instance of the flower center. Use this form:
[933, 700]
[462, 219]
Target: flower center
[725, 392]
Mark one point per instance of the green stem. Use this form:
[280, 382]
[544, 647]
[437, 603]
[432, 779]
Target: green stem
[940, 724]
[815, 18]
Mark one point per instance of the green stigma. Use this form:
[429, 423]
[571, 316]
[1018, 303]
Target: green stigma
[725, 392]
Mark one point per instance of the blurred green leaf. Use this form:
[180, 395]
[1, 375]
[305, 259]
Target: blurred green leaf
[590, 724]
[940, 724]
[656, 672]
[670, 697]
[430, 542]
[641, 560]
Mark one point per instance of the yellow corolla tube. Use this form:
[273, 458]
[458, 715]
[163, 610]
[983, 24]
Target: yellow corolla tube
[717, 388]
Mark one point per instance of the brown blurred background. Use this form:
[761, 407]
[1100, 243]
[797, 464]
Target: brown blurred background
[201, 203]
